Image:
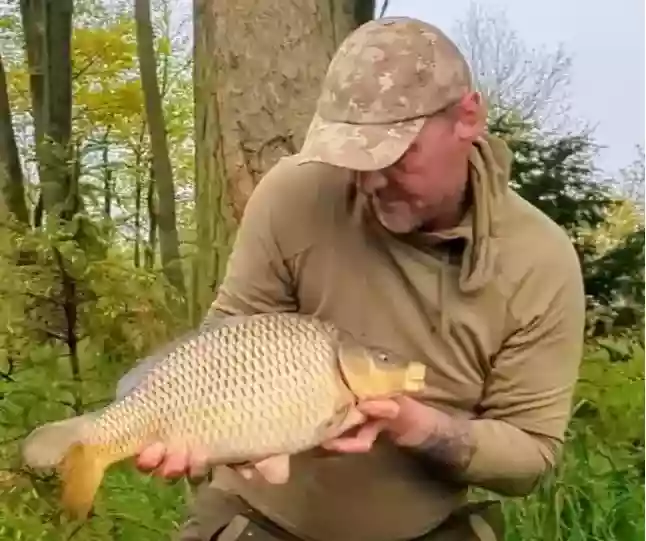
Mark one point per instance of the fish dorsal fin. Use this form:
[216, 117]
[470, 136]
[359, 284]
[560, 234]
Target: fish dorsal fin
[371, 373]
[138, 373]
[133, 377]
[218, 320]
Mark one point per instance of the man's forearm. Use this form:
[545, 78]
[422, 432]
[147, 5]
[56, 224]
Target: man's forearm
[450, 447]
[488, 453]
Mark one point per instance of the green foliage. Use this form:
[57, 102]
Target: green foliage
[109, 124]
[62, 355]
[615, 282]
[556, 173]
[596, 495]
[130, 507]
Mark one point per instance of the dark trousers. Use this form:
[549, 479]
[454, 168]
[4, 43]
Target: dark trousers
[470, 524]
[231, 520]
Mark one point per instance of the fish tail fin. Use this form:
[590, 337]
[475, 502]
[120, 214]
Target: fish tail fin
[46, 445]
[81, 471]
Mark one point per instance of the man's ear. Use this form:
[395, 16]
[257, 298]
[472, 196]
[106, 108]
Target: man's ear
[471, 118]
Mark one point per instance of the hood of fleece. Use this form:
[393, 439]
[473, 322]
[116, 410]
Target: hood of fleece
[490, 167]
[489, 170]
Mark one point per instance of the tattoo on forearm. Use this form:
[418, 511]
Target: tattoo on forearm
[452, 448]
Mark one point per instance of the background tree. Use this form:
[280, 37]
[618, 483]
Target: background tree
[11, 178]
[630, 181]
[75, 311]
[534, 83]
[252, 106]
[161, 164]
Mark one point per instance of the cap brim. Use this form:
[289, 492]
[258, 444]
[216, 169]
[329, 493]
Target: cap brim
[362, 147]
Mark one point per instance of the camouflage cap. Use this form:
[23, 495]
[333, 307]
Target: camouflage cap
[386, 77]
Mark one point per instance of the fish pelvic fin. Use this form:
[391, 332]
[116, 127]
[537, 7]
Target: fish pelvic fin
[274, 469]
[81, 471]
[373, 374]
[46, 445]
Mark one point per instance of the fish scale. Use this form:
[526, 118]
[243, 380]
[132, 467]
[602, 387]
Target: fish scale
[247, 388]
[227, 381]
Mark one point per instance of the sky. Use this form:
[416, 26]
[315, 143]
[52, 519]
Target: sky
[607, 77]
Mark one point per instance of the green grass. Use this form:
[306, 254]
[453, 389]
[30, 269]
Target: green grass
[596, 493]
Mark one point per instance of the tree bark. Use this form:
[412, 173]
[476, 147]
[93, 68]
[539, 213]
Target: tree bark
[48, 34]
[150, 250]
[167, 219]
[12, 183]
[59, 195]
[107, 176]
[33, 22]
[258, 73]
[139, 186]
[48, 42]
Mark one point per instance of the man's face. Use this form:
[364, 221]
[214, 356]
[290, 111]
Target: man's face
[428, 179]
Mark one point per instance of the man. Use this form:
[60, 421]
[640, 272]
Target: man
[395, 221]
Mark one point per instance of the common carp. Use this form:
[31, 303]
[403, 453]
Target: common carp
[245, 389]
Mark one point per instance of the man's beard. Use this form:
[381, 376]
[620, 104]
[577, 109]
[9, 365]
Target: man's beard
[398, 217]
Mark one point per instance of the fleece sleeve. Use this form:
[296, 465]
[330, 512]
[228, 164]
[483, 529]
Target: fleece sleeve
[258, 276]
[527, 401]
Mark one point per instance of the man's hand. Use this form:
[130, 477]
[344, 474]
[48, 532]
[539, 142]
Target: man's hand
[444, 440]
[172, 464]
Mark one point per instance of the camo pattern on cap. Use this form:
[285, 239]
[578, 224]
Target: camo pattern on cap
[365, 147]
[385, 76]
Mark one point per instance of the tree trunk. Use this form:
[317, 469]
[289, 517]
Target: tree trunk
[59, 195]
[48, 43]
[139, 185]
[33, 22]
[107, 176]
[138, 192]
[258, 73]
[150, 251]
[48, 29]
[11, 178]
[167, 220]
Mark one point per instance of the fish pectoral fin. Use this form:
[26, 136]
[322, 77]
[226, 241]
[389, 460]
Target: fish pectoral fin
[346, 418]
[275, 469]
[352, 419]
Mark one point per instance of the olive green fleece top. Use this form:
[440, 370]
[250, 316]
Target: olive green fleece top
[494, 307]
